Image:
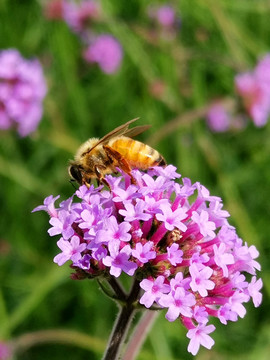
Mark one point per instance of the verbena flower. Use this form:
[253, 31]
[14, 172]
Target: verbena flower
[79, 15]
[166, 19]
[106, 51]
[53, 9]
[165, 15]
[5, 351]
[254, 89]
[22, 89]
[218, 119]
[174, 238]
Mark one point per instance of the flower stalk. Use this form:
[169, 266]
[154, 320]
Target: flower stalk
[122, 324]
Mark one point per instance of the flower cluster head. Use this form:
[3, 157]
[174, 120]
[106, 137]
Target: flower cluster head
[175, 239]
[254, 89]
[106, 51]
[22, 89]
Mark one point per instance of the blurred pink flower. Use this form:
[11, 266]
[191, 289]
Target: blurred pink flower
[262, 72]
[218, 119]
[79, 14]
[254, 89]
[53, 9]
[22, 89]
[106, 51]
[5, 351]
[165, 15]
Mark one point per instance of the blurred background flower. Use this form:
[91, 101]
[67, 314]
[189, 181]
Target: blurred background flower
[106, 51]
[254, 90]
[22, 89]
[218, 118]
[80, 15]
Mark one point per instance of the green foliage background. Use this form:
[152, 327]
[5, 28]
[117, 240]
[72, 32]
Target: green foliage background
[39, 304]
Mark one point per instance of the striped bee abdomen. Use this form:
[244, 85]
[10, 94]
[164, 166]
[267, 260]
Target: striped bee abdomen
[137, 154]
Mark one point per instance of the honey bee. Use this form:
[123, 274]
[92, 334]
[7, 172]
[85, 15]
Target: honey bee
[98, 157]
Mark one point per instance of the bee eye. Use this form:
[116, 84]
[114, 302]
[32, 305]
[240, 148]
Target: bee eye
[75, 173]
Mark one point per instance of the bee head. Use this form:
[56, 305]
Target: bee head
[75, 173]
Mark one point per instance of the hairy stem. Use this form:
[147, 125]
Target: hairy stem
[117, 287]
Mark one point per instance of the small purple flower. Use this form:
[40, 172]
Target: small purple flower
[222, 258]
[178, 302]
[174, 254]
[171, 218]
[199, 336]
[200, 315]
[144, 253]
[22, 89]
[119, 260]
[62, 224]
[135, 212]
[200, 279]
[254, 291]
[106, 51]
[84, 262]
[117, 231]
[154, 290]
[225, 314]
[236, 303]
[48, 206]
[206, 227]
[71, 250]
[179, 280]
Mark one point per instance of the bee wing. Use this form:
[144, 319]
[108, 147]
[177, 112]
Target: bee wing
[120, 130]
[136, 130]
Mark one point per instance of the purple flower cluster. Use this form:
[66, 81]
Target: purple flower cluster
[106, 51]
[22, 89]
[254, 89]
[175, 238]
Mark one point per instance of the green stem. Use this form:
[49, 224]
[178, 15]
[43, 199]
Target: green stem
[122, 324]
[139, 335]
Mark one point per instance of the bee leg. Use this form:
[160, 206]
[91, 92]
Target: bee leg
[119, 161]
[100, 177]
[86, 183]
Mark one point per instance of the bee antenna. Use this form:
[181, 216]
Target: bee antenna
[72, 181]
